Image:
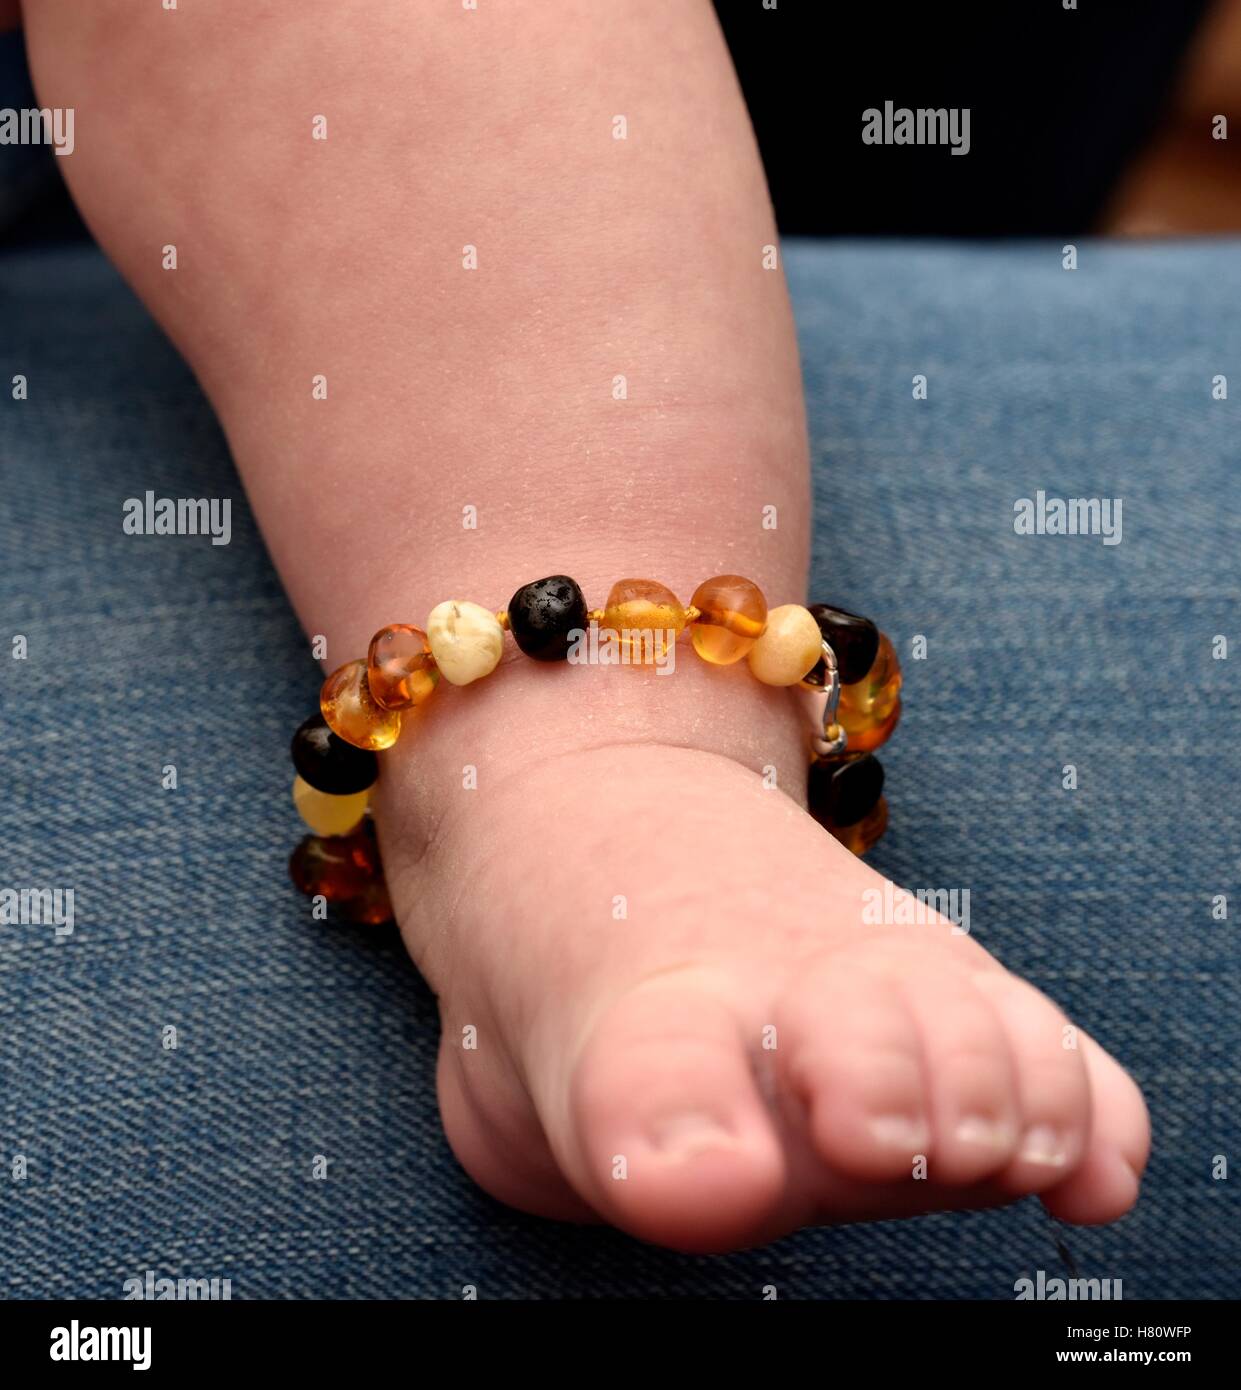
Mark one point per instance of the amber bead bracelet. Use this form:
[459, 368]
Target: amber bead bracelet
[845, 666]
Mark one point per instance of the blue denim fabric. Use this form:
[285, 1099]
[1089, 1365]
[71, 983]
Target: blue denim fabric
[298, 1039]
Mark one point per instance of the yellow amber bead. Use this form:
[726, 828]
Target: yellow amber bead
[351, 713]
[646, 616]
[866, 833]
[870, 708]
[732, 616]
[789, 647]
[326, 814]
[400, 669]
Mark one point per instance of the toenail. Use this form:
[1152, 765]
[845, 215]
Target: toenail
[679, 1136]
[1044, 1146]
[987, 1134]
[899, 1132]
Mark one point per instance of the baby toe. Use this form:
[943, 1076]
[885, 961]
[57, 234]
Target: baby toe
[971, 1075]
[671, 1138]
[1106, 1183]
[849, 1050]
[1053, 1092]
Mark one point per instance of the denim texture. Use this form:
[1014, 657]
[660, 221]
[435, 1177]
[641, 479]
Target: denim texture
[300, 1038]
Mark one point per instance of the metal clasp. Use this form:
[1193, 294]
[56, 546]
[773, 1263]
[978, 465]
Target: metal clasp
[827, 737]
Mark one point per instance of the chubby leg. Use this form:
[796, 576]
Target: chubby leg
[580, 337]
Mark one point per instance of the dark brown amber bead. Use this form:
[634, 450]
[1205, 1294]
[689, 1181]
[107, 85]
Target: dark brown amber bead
[842, 793]
[336, 867]
[866, 833]
[543, 614]
[328, 763]
[854, 639]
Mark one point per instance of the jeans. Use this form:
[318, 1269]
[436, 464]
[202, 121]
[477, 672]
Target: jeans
[298, 1040]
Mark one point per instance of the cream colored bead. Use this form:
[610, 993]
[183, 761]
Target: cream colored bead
[789, 647]
[328, 815]
[465, 639]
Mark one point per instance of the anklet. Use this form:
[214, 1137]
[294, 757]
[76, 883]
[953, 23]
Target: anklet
[846, 669]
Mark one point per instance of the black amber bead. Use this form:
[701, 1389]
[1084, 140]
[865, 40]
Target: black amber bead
[541, 616]
[330, 764]
[842, 793]
[855, 641]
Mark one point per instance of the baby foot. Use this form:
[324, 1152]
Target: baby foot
[663, 1007]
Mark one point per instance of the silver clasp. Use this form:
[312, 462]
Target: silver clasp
[827, 737]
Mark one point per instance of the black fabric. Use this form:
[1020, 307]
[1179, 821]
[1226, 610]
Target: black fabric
[1060, 101]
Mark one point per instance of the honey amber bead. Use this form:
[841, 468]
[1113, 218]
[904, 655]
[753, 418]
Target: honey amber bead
[400, 669]
[865, 834]
[870, 708]
[351, 713]
[636, 607]
[732, 616]
[337, 867]
[871, 735]
[326, 814]
[372, 906]
[788, 648]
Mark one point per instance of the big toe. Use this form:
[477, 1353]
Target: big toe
[665, 1131]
